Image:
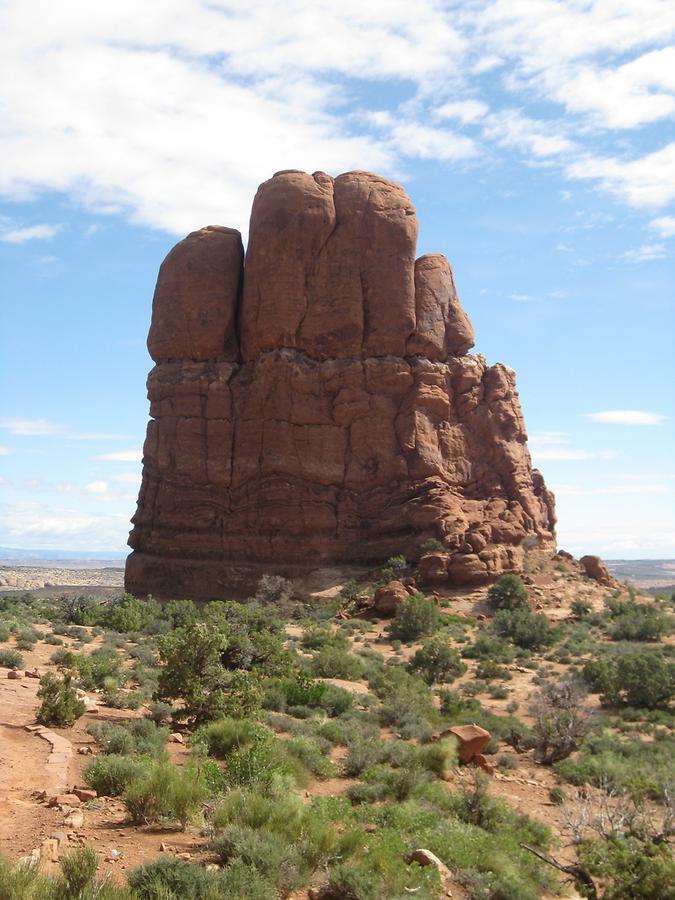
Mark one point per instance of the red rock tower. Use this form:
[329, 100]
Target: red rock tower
[315, 405]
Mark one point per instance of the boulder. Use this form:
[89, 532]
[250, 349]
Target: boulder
[388, 598]
[595, 568]
[314, 404]
[426, 858]
[433, 568]
[471, 740]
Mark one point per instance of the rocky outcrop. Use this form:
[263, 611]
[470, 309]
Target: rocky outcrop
[596, 569]
[316, 405]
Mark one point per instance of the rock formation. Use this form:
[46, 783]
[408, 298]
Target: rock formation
[316, 405]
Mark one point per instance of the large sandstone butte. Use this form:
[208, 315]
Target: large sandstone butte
[315, 405]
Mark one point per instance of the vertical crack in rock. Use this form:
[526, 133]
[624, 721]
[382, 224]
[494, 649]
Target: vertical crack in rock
[316, 405]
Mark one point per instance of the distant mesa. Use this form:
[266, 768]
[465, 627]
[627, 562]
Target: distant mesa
[314, 404]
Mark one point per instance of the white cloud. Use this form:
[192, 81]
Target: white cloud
[511, 129]
[627, 417]
[43, 428]
[121, 456]
[569, 490]
[112, 102]
[4, 451]
[417, 140]
[29, 233]
[563, 455]
[552, 446]
[38, 526]
[464, 111]
[645, 253]
[128, 478]
[647, 181]
[96, 487]
[665, 225]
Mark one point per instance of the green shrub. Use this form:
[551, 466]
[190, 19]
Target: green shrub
[508, 593]
[11, 659]
[227, 735]
[630, 868]
[394, 568]
[437, 661]
[363, 752]
[4, 632]
[432, 545]
[133, 737]
[320, 636]
[580, 608]
[331, 662]
[110, 775]
[630, 621]
[60, 705]
[641, 680]
[164, 791]
[416, 617]
[526, 629]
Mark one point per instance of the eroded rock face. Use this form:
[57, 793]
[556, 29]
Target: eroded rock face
[316, 405]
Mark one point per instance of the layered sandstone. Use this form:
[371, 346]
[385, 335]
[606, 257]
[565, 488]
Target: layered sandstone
[316, 405]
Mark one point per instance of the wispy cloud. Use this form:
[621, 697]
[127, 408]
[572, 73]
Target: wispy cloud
[553, 446]
[627, 417]
[4, 451]
[645, 253]
[665, 225]
[570, 490]
[44, 428]
[297, 88]
[128, 478]
[563, 455]
[29, 233]
[121, 456]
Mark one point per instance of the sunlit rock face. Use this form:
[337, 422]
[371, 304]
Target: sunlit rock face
[314, 405]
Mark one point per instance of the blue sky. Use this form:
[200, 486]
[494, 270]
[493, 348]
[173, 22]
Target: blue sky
[536, 139]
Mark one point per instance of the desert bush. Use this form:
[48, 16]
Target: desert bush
[416, 617]
[11, 659]
[580, 608]
[60, 705]
[159, 712]
[174, 879]
[5, 633]
[560, 720]
[273, 590]
[437, 661]
[224, 736]
[110, 776]
[165, 792]
[508, 593]
[630, 868]
[363, 752]
[630, 621]
[526, 629]
[488, 670]
[140, 737]
[331, 662]
[319, 636]
[488, 645]
[312, 753]
[432, 545]
[394, 568]
[641, 680]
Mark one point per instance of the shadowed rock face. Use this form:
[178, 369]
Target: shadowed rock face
[316, 406]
